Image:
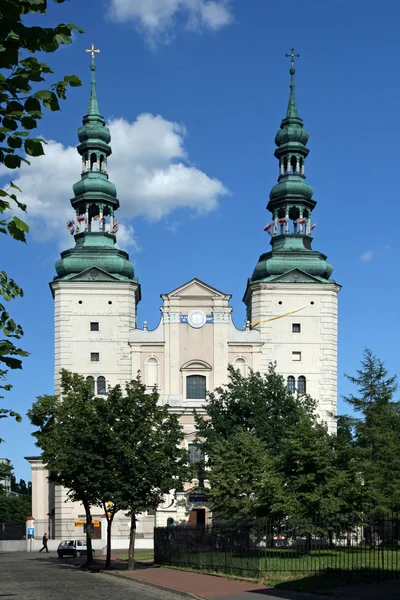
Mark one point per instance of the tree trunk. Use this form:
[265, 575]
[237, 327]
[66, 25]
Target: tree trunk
[109, 525]
[89, 554]
[132, 537]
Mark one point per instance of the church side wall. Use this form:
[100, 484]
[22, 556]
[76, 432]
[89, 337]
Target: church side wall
[113, 307]
[312, 353]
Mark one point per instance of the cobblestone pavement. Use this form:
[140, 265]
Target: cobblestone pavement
[34, 576]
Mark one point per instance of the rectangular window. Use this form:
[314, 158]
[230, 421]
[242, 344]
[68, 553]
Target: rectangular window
[296, 355]
[296, 328]
[196, 387]
[94, 356]
[94, 326]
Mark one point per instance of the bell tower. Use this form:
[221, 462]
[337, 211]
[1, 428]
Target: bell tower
[290, 297]
[95, 290]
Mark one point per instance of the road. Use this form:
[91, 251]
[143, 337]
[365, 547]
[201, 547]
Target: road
[34, 576]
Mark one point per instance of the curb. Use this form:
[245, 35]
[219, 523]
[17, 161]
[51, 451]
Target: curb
[159, 586]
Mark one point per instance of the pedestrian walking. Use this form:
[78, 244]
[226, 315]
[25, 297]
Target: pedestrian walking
[44, 541]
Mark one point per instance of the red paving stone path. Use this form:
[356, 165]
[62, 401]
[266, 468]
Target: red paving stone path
[201, 586]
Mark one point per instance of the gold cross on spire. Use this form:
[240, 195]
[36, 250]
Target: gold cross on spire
[92, 50]
[292, 55]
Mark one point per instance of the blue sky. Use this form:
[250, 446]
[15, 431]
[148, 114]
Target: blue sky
[195, 91]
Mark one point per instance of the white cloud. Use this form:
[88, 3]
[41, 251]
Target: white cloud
[367, 256]
[148, 166]
[157, 18]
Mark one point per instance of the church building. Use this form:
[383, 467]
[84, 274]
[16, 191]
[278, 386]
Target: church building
[291, 303]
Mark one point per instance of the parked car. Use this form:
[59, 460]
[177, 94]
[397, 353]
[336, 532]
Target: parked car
[72, 548]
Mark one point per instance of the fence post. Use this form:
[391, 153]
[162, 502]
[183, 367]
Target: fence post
[30, 533]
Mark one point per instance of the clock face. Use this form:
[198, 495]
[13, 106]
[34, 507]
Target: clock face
[196, 318]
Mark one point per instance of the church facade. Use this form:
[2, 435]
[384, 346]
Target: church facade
[291, 303]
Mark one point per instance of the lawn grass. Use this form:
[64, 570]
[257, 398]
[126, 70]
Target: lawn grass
[271, 562]
[147, 555]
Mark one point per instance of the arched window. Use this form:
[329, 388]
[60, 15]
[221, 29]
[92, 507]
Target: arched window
[151, 372]
[293, 164]
[91, 380]
[93, 162]
[101, 385]
[301, 385]
[291, 384]
[196, 387]
[241, 364]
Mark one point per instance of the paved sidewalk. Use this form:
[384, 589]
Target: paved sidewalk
[204, 587]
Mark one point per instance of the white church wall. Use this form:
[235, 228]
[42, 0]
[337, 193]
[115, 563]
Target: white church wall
[312, 352]
[110, 304]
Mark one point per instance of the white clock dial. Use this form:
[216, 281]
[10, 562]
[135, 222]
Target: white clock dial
[197, 318]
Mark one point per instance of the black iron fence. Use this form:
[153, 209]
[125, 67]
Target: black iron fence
[12, 531]
[371, 548]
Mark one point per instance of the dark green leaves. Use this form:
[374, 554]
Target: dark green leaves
[17, 229]
[14, 141]
[33, 146]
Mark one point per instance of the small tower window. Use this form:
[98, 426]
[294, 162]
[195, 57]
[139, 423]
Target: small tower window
[90, 380]
[296, 328]
[291, 384]
[296, 355]
[301, 385]
[93, 162]
[94, 326]
[293, 164]
[101, 385]
[94, 357]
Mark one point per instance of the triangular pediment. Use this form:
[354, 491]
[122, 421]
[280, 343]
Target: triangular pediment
[196, 289]
[94, 274]
[296, 276]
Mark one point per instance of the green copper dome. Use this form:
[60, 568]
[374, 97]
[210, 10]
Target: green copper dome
[291, 204]
[95, 202]
[291, 187]
[290, 254]
[95, 250]
[96, 183]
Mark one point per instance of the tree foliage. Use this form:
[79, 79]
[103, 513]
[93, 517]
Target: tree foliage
[268, 453]
[119, 451]
[15, 509]
[67, 433]
[374, 434]
[22, 104]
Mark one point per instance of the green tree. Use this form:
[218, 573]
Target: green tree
[72, 450]
[22, 103]
[268, 453]
[375, 435]
[240, 467]
[259, 404]
[15, 509]
[143, 457]
[118, 451]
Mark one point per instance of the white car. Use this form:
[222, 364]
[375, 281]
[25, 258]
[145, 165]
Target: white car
[72, 548]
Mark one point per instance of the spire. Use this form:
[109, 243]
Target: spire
[95, 196]
[292, 106]
[93, 109]
[95, 202]
[291, 203]
[291, 112]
